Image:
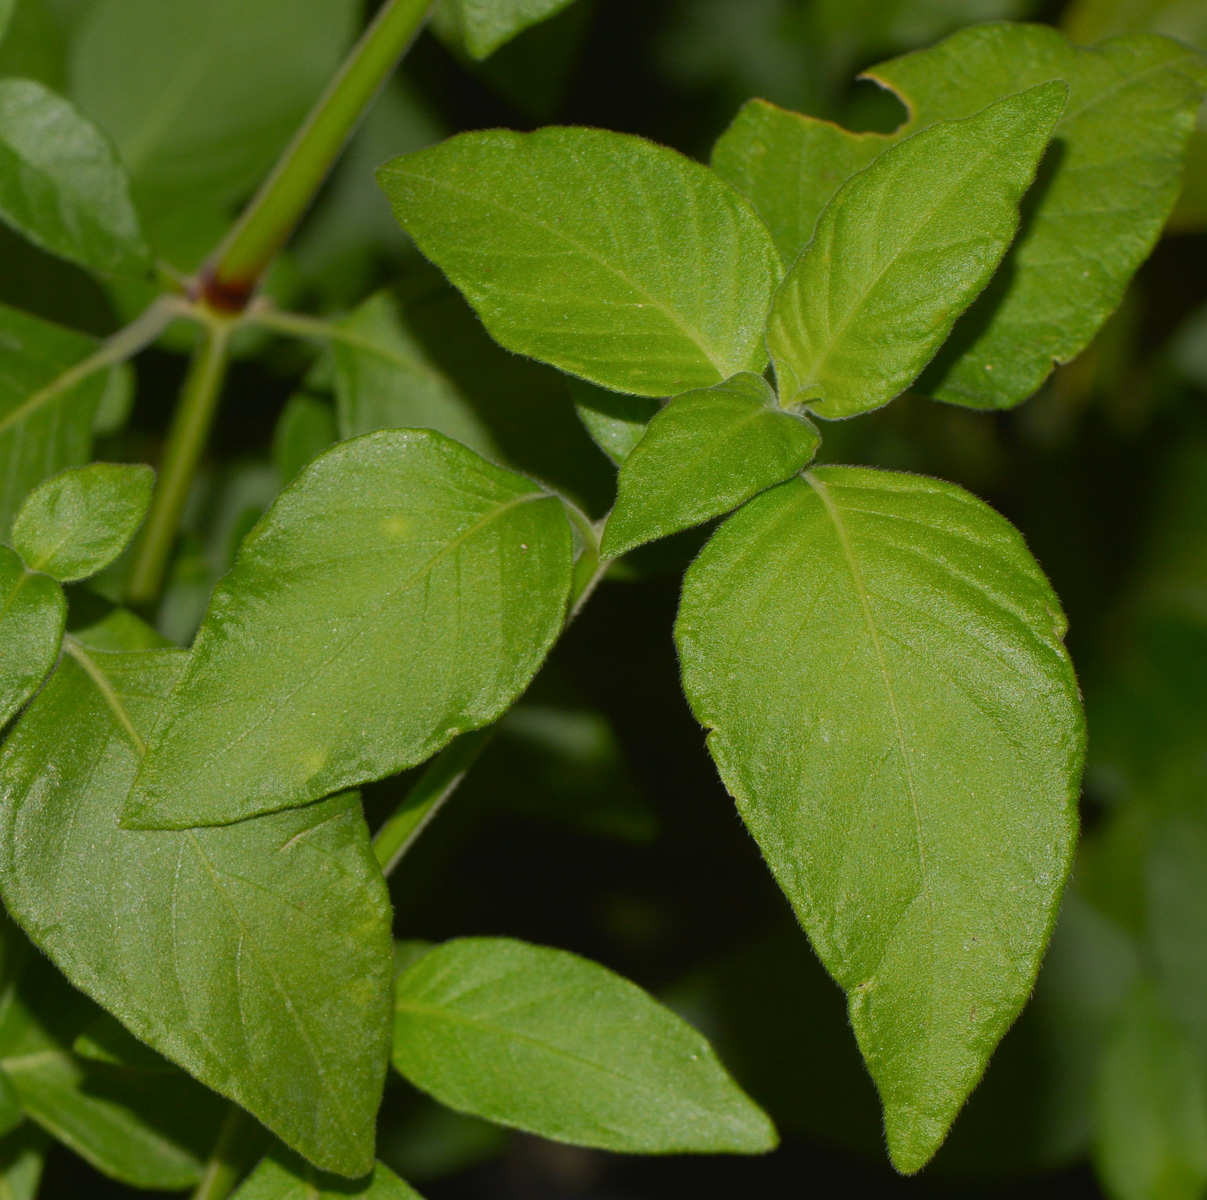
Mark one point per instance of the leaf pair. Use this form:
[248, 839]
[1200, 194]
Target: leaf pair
[68, 528]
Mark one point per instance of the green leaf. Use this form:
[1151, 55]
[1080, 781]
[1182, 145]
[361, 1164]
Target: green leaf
[1111, 181]
[106, 1040]
[399, 592]
[900, 251]
[78, 521]
[485, 25]
[283, 1176]
[43, 427]
[616, 422]
[603, 254]
[305, 428]
[1151, 1106]
[22, 1155]
[200, 98]
[705, 453]
[788, 166]
[257, 956]
[61, 184]
[383, 380]
[33, 611]
[885, 765]
[551, 1043]
[6, 14]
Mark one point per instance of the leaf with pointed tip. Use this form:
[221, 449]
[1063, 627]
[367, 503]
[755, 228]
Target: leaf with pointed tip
[483, 26]
[705, 453]
[606, 255]
[383, 380]
[1150, 1119]
[401, 591]
[33, 611]
[78, 521]
[788, 166]
[283, 1176]
[61, 184]
[1098, 209]
[903, 737]
[256, 955]
[42, 428]
[554, 1044]
[900, 251]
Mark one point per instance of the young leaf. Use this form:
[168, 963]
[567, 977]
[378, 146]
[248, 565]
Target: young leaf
[284, 1176]
[788, 166]
[904, 740]
[33, 611]
[61, 184]
[705, 453]
[1150, 1106]
[603, 254]
[42, 428]
[616, 422]
[1114, 174]
[199, 98]
[551, 1043]
[383, 380]
[78, 521]
[485, 25]
[399, 592]
[257, 955]
[900, 251]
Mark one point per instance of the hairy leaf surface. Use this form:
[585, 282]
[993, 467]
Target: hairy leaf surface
[705, 453]
[383, 380]
[283, 1176]
[42, 429]
[77, 522]
[606, 255]
[879, 660]
[900, 251]
[401, 591]
[32, 614]
[1112, 179]
[257, 956]
[61, 184]
[551, 1043]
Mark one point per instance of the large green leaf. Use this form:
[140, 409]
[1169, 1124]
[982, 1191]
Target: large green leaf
[1114, 175]
[879, 661]
[384, 380]
[200, 98]
[42, 428]
[551, 1043]
[1151, 1106]
[257, 955]
[60, 183]
[899, 253]
[401, 591]
[282, 1176]
[705, 453]
[603, 254]
[78, 521]
[789, 165]
[148, 1133]
[482, 26]
[32, 614]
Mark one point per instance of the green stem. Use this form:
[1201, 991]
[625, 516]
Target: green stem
[224, 1167]
[186, 442]
[427, 797]
[285, 195]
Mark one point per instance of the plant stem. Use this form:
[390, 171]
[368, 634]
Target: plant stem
[124, 344]
[222, 1170]
[427, 797]
[186, 443]
[277, 208]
